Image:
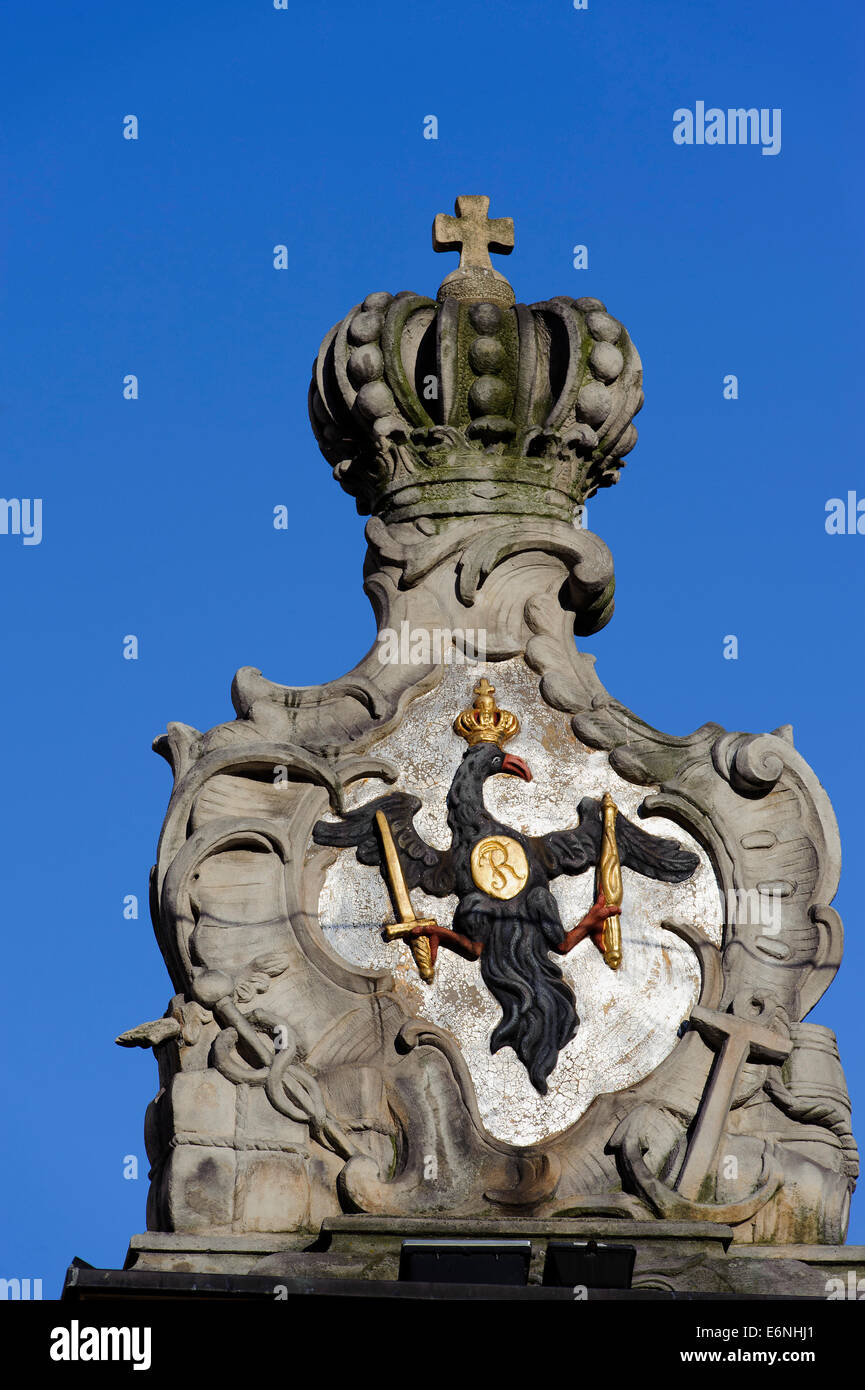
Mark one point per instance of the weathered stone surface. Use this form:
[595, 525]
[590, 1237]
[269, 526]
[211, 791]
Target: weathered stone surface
[305, 1073]
[672, 1256]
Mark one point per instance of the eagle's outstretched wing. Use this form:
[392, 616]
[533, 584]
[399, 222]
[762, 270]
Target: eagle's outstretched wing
[573, 851]
[423, 866]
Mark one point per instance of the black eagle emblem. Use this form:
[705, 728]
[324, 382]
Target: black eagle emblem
[511, 936]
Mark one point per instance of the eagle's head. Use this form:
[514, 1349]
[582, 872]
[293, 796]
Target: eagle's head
[467, 814]
[487, 759]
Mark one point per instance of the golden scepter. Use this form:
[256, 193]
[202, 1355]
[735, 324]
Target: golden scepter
[420, 946]
[609, 881]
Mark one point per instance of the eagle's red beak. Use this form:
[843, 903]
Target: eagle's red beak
[516, 767]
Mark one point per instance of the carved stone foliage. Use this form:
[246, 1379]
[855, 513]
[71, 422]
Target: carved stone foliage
[297, 1084]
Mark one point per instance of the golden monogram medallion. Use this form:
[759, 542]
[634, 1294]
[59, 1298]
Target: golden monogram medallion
[499, 866]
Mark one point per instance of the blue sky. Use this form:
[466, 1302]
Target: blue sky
[154, 257]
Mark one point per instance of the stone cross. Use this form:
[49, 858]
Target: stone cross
[473, 232]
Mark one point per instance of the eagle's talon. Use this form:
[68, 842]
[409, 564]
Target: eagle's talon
[591, 925]
[443, 936]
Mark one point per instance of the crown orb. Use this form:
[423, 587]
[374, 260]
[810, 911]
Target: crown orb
[485, 318]
[486, 355]
[606, 361]
[490, 395]
[374, 400]
[627, 439]
[603, 328]
[594, 403]
[379, 299]
[366, 326]
[365, 364]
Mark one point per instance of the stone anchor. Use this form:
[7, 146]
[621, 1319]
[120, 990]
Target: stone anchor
[736, 1041]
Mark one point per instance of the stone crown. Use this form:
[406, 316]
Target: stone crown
[473, 403]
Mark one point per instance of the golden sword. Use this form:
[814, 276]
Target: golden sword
[610, 882]
[420, 946]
